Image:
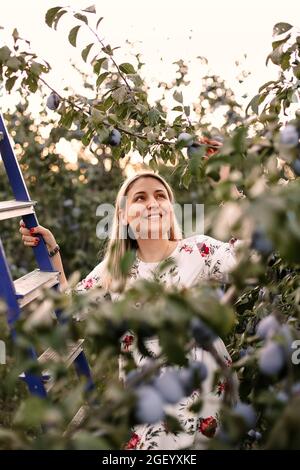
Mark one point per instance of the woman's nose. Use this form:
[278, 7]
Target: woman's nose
[152, 202]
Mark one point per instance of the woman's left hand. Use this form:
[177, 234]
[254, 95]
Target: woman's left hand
[210, 150]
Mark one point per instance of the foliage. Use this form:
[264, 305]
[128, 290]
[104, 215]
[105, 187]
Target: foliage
[261, 156]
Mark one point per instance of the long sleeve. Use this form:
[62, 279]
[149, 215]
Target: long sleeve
[92, 280]
[220, 257]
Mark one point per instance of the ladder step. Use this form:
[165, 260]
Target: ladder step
[77, 420]
[74, 349]
[28, 286]
[13, 208]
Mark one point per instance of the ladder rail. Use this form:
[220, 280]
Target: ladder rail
[44, 262]
[11, 164]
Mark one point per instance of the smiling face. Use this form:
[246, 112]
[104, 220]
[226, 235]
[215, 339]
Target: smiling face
[148, 209]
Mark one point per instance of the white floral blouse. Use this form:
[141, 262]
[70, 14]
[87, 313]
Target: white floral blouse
[196, 258]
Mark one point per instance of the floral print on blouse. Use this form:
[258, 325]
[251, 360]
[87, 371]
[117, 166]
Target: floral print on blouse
[196, 258]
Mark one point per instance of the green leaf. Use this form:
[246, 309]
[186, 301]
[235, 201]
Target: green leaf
[32, 84]
[253, 104]
[90, 9]
[10, 83]
[57, 18]
[85, 51]
[119, 94]
[15, 34]
[178, 108]
[4, 54]
[87, 137]
[98, 64]
[97, 116]
[36, 68]
[73, 35]
[101, 78]
[67, 119]
[153, 116]
[186, 180]
[13, 64]
[187, 110]
[171, 348]
[102, 134]
[107, 103]
[81, 17]
[280, 28]
[296, 71]
[127, 68]
[285, 60]
[276, 44]
[98, 22]
[265, 85]
[177, 95]
[51, 14]
[107, 49]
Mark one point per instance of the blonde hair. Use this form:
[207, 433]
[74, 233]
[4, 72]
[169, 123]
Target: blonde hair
[112, 277]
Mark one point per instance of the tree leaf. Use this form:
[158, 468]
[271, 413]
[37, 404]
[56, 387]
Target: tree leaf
[15, 34]
[51, 14]
[177, 95]
[253, 104]
[278, 43]
[73, 35]
[265, 85]
[90, 9]
[107, 49]
[13, 63]
[81, 17]
[4, 54]
[280, 28]
[36, 68]
[99, 21]
[178, 108]
[127, 68]
[57, 18]
[285, 60]
[119, 94]
[296, 71]
[187, 110]
[98, 64]
[101, 78]
[85, 51]
[10, 83]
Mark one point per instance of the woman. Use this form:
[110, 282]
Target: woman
[144, 220]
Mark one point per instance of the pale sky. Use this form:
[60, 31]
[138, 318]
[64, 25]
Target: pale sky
[164, 31]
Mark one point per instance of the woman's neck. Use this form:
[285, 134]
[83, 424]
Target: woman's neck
[152, 251]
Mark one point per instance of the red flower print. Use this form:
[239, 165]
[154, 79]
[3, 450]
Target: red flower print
[127, 341]
[88, 283]
[187, 248]
[221, 387]
[203, 248]
[232, 240]
[133, 442]
[228, 361]
[208, 426]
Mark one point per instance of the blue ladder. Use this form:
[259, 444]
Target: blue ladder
[22, 291]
